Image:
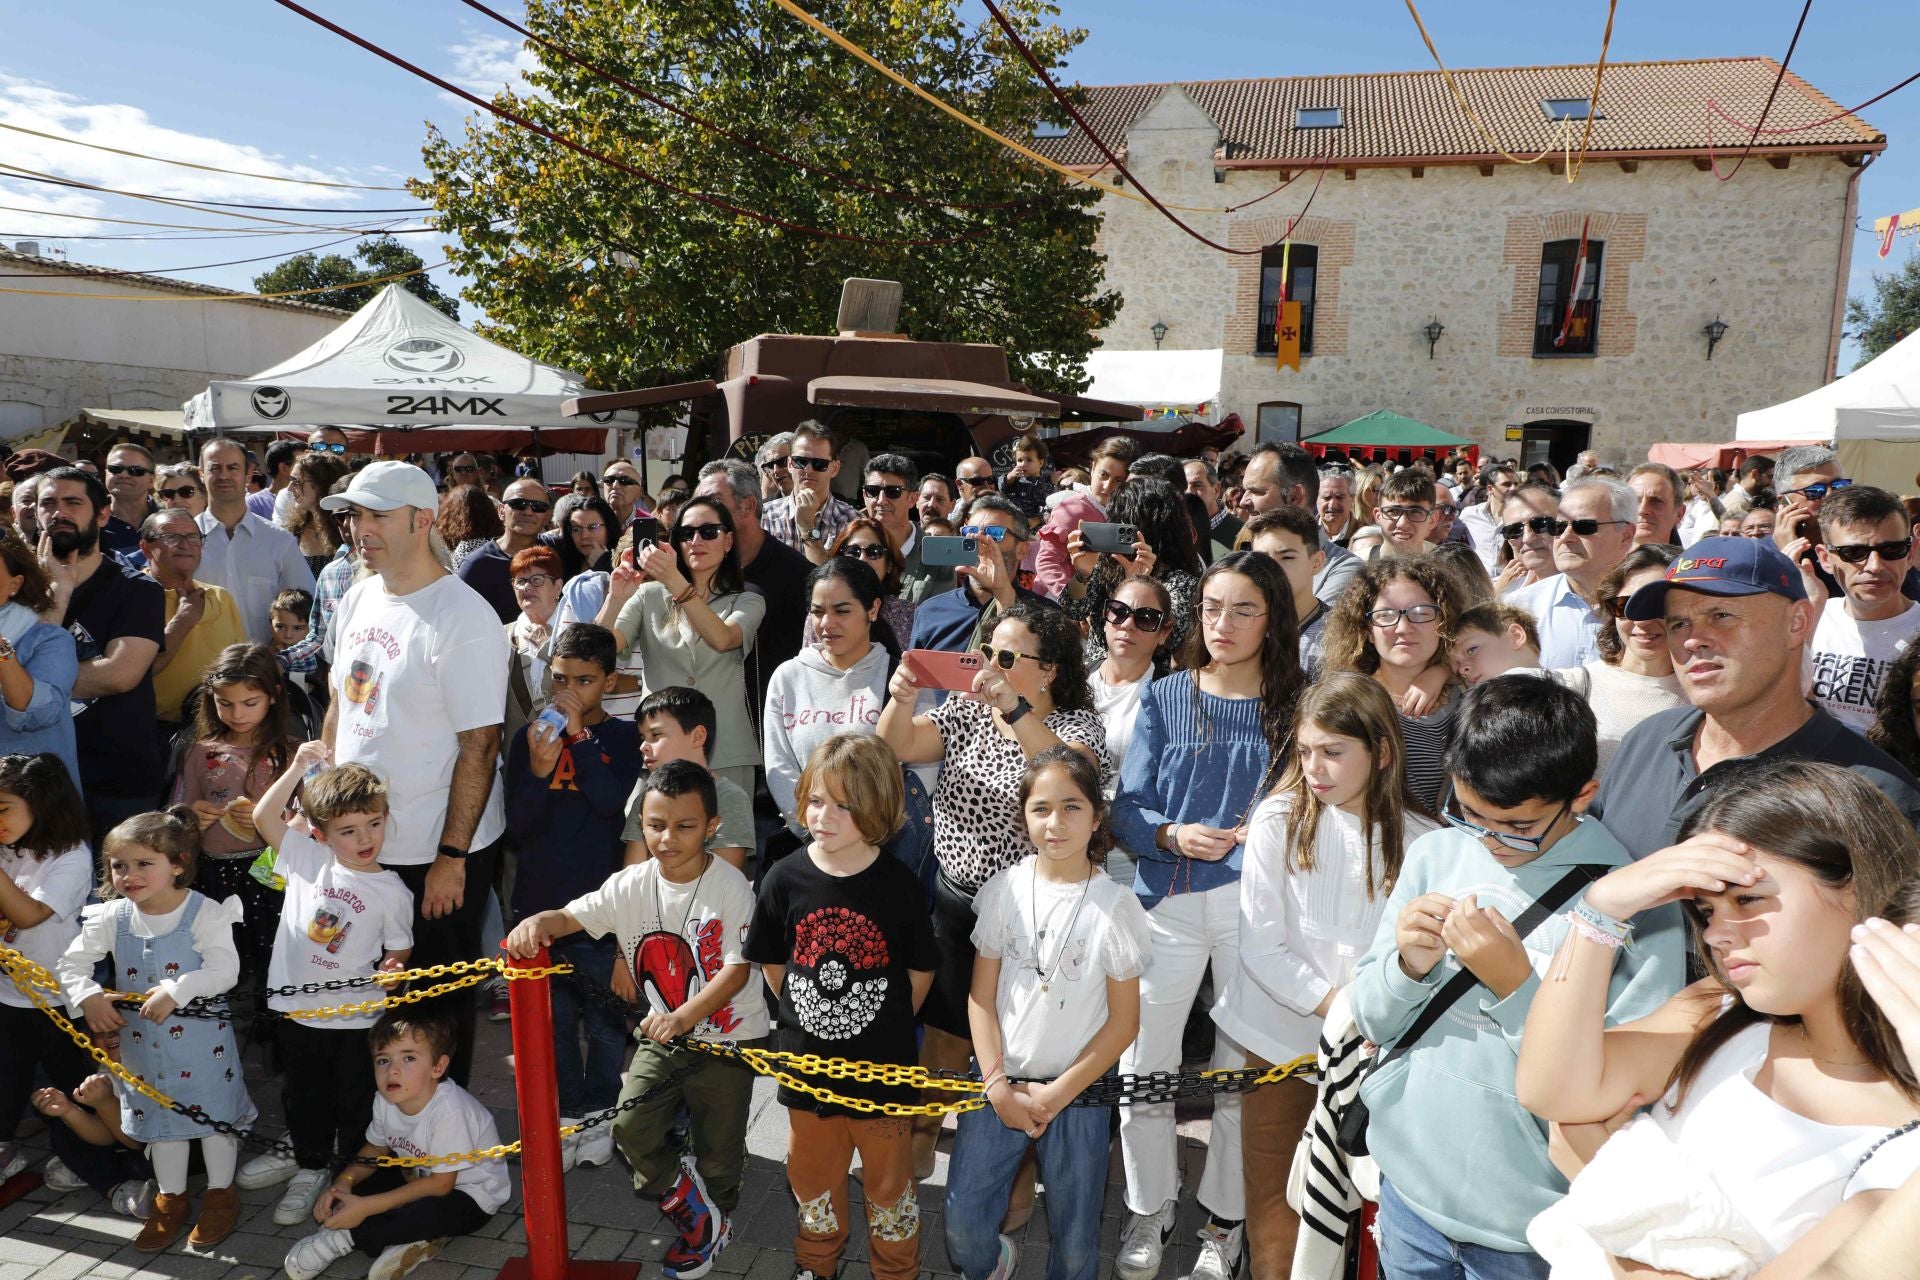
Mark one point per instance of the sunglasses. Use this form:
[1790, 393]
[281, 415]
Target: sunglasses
[1616, 606]
[324, 447]
[860, 551]
[117, 469]
[1585, 528]
[889, 490]
[1447, 509]
[169, 494]
[818, 464]
[704, 532]
[528, 504]
[777, 464]
[994, 531]
[1418, 614]
[625, 482]
[1005, 658]
[463, 471]
[974, 482]
[1145, 617]
[1520, 844]
[1821, 489]
[1857, 553]
[1538, 524]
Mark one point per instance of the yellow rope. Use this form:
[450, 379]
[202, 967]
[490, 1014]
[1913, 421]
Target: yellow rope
[1473, 117]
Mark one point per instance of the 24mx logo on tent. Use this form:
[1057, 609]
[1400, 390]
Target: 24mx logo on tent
[423, 355]
[447, 406]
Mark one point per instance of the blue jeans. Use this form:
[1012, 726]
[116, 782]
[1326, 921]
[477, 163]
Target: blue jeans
[592, 1085]
[1410, 1249]
[1073, 1165]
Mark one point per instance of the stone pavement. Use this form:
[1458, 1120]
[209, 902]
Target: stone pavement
[48, 1236]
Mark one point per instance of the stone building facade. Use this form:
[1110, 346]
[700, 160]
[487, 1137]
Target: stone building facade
[1413, 221]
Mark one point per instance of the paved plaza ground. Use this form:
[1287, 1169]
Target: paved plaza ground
[49, 1236]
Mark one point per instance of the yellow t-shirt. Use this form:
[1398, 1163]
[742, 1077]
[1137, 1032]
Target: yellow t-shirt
[219, 626]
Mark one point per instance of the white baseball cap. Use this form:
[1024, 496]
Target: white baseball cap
[386, 486]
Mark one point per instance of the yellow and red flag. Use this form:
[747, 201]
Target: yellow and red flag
[1286, 318]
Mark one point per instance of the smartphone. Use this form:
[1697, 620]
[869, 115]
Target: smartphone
[1115, 539]
[949, 551]
[644, 529]
[940, 669]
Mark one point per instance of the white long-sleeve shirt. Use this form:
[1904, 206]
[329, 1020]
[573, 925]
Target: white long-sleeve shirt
[1301, 932]
[255, 563]
[212, 937]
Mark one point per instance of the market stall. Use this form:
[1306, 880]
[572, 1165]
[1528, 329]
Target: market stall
[1872, 416]
[1383, 436]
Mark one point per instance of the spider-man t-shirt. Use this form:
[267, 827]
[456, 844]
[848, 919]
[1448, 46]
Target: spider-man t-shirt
[849, 944]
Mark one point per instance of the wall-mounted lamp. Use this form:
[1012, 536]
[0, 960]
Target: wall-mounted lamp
[1433, 331]
[1159, 332]
[1714, 331]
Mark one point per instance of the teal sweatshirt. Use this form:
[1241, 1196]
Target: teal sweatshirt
[1445, 1126]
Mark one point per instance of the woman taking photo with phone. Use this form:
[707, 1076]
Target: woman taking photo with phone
[1162, 549]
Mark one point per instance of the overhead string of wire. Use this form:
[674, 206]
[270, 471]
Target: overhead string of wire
[30, 175]
[1716, 109]
[1713, 161]
[188, 164]
[104, 273]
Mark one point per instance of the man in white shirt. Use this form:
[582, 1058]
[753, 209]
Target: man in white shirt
[419, 676]
[1868, 549]
[253, 560]
[1593, 533]
[1482, 519]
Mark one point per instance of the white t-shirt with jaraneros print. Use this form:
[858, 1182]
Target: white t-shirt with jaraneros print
[453, 1121]
[335, 924]
[410, 674]
[675, 940]
[60, 884]
[1057, 945]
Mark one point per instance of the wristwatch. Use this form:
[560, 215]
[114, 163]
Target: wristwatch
[810, 535]
[453, 851]
[1020, 708]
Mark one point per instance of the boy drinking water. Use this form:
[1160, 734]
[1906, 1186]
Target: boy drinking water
[678, 724]
[402, 1217]
[1463, 1165]
[680, 918]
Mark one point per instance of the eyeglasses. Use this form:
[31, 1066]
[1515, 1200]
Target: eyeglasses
[1447, 509]
[1538, 524]
[534, 580]
[1857, 553]
[1418, 614]
[995, 531]
[704, 532]
[818, 464]
[1240, 615]
[595, 527]
[1585, 528]
[774, 464]
[1412, 515]
[1521, 844]
[177, 539]
[974, 482]
[625, 482]
[889, 490]
[1005, 658]
[1145, 617]
[167, 495]
[119, 469]
[1817, 491]
[528, 504]
[464, 471]
[323, 446]
[861, 550]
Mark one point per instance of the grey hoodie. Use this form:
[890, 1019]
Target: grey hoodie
[809, 701]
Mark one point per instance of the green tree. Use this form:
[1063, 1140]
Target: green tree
[1891, 314]
[584, 266]
[345, 284]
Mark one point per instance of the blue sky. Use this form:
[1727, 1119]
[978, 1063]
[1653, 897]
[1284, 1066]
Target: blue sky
[249, 85]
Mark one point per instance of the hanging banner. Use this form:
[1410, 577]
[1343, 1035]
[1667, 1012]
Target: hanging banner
[1287, 337]
[1900, 224]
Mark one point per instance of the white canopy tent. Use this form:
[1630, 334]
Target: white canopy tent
[1186, 383]
[1872, 416]
[401, 365]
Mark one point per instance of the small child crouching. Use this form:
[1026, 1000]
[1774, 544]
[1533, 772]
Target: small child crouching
[401, 1217]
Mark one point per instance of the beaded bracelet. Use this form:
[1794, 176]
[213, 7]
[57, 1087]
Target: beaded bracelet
[1601, 922]
[1594, 933]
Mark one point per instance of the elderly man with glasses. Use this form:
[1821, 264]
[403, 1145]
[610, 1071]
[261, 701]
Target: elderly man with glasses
[202, 619]
[776, 478]
[623, 486]
[527, 508]
[1592, 534]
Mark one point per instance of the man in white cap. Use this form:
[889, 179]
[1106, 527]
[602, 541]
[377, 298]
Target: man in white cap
[419, 693]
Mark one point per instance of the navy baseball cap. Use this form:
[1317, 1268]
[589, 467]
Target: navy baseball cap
[1721, 567]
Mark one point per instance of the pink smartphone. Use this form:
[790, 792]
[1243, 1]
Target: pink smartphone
[941, 669]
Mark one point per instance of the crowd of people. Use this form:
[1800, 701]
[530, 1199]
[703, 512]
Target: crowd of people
[1569, 821]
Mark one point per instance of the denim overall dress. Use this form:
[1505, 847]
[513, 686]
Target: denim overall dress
[192, 1060]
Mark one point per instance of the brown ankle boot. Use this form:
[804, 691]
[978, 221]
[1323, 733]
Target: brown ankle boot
[168, 1215]
[219, 1215]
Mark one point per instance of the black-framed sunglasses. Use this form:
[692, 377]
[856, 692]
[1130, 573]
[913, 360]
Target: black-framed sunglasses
[864, 551]
[886, 490]
[704, 532]
[123, 469]
[974, 482]
[1537, 524]
[465, 471]
[624, 481]
[1585, 528]
[1450, 810]
[1145, 617]
[168, 495]
[774, 464]
[1857, 552]
[817, 464]
[1819, 489]
[1005, 658]
[529, 504]
[1616, 606]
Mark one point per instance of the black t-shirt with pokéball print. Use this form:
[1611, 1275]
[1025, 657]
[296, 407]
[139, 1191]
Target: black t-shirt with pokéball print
[849, 944]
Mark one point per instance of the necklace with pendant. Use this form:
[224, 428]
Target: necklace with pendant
[693, 896]
[1040, 933]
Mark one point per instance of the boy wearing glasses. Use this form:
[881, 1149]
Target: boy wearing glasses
[1866, 625]
[809, 519]
[1406, 511]
[1463, 1166]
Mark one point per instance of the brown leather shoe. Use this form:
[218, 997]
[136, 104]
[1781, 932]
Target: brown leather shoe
[168, 1216]
[219, 1215]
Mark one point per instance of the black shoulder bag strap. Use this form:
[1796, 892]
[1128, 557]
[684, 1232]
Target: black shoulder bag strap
[1352, 1133]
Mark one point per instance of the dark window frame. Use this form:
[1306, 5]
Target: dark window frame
[1557, 258]
[1259, 425]
[1305, 258]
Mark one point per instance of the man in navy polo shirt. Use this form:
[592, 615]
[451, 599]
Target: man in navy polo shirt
[961, 618]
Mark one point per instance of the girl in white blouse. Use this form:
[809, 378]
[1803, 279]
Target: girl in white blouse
[1322, 853]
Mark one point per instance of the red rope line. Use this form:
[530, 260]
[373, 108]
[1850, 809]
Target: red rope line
[1713, 161]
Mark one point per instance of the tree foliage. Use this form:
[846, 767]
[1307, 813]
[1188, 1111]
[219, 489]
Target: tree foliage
[587, 267]
[344, 283]
[1891, 314]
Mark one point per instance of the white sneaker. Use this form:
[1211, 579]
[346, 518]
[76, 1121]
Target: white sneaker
[12, 1160]
[296, 1202]
[133, 1199]
[1009, 1260]
[569, 1145]
[595, 1146]
[397, 1259]
[268, 1169]
[1222, 1250]
[1142, 1242]
[315, 1253]
[59, 1177]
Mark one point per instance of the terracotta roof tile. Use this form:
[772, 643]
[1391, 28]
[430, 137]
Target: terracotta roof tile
[1644, 106]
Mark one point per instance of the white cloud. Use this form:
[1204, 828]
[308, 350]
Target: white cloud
[485, 63]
